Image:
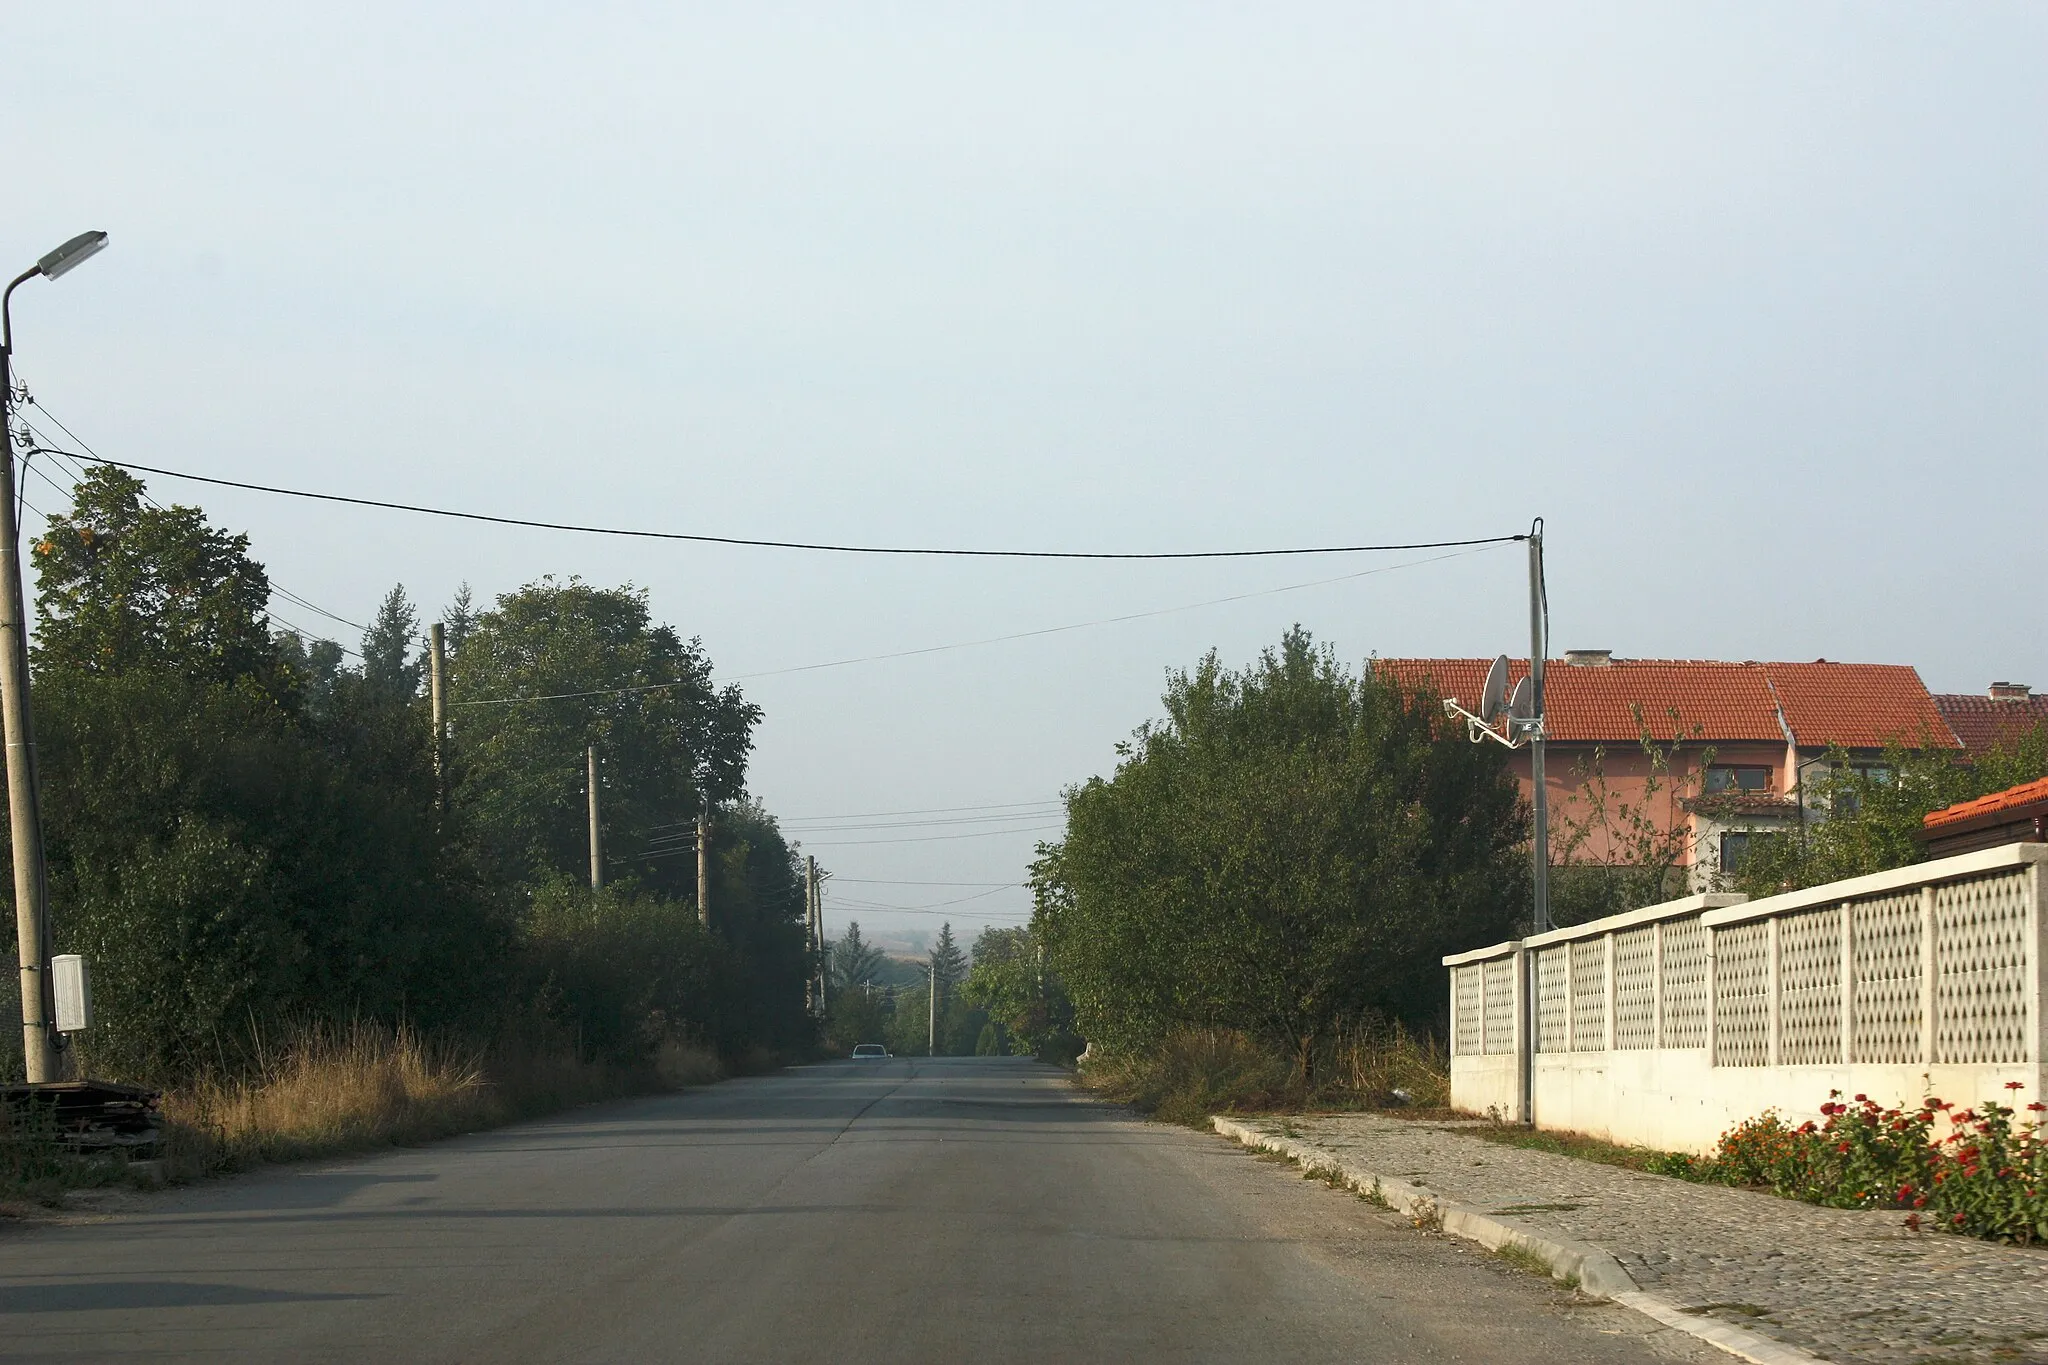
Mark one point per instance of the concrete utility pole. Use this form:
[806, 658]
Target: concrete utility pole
[1539, 647]
[704, 866]
[814, 920]
[1539, 841]
[596, 825]
[24, 801]
[437, 698]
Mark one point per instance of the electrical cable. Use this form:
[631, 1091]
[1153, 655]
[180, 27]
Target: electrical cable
[931, 838]
[897, 881]
[928, 810]
[916, 824]
[976, 644]
[826, 547]
[45, 446]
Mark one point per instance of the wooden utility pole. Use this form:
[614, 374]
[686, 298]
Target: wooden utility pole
[437, 700]
[704, 865]
[596, 825]
[931, 1043]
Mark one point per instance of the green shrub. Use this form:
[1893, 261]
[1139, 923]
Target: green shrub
[1985, 1176]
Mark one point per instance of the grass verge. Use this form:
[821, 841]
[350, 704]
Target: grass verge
[1584, 1148]
[332, 1091]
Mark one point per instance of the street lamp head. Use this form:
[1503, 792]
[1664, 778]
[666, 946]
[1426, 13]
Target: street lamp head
[71, 254]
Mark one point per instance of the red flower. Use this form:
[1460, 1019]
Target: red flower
[1957, 1219]
[1863, 1099]
[2015, 1085]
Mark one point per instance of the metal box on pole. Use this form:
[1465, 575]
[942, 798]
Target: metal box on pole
[71, 983]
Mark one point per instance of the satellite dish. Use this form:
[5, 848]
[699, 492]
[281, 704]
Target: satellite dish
[1522, 705]
[1495, 692]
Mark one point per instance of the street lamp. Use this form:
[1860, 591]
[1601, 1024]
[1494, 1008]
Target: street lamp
[24, 807]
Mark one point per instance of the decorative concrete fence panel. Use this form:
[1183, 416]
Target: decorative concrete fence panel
[1667, 1025]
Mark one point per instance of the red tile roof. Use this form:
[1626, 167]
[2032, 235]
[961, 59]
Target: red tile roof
[1862, 706]
[1982, 722]
[1858, 705]
[2012, 798]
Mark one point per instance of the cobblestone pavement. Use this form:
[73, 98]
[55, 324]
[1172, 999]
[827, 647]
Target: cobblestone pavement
[1851, 1286]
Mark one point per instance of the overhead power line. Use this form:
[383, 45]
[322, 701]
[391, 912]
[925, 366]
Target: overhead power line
[928, 810]
[826, 547]
[46, 447]
[929, 838]
[918, 824]
[898, 881]
[986, 640]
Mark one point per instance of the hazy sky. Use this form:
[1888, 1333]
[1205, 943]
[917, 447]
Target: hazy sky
[1749, 301]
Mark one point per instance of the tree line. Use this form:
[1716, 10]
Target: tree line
[1000, 1002]
[246, 832]
[1287, 853]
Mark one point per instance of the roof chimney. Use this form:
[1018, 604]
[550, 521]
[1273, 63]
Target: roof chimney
[1593, 658]
[2010, 691]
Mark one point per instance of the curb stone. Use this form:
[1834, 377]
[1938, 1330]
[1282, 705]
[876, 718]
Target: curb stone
[1589, 1267]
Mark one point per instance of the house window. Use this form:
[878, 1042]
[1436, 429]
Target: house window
[1851, 781]
[1738, 845]
[1738, 778]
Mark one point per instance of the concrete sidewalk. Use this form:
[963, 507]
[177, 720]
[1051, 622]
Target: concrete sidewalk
[1768, 1279]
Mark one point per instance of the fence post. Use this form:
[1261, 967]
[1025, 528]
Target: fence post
[1571, 1000]
[1525, 1050]
[1929, 975]
[1607, 975]
[1657, 985]
[1848, 982]
[2037, 943]
[1713, 998]
[1771, 995]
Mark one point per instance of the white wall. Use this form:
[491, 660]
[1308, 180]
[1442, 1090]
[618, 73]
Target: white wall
[1668, 1025]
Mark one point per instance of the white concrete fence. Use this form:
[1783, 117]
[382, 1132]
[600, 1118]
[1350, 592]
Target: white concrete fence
[1668, 1025]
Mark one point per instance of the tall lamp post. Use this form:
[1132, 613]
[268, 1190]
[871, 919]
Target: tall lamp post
[24, 805]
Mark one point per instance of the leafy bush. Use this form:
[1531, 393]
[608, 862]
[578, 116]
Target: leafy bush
[1986, 1176]
[1287, 854]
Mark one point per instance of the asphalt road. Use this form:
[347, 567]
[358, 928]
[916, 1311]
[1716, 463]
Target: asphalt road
[954, 1210]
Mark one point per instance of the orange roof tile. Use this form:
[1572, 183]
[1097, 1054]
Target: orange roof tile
[1859, 705]
[1862, 706]
[1593, 704]
[1982, 722]
[2012, 798]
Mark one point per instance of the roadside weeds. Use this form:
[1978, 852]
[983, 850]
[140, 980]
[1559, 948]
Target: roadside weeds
[333, 1092]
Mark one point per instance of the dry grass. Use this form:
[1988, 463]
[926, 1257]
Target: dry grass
[1198, 1072]
[328, 1091]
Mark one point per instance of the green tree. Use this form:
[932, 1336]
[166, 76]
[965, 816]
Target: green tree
[1862, 815]
[855, 962]
[124, 584]
[1288, 853]
[1024, 1000]
[859, 1015]
[557, 667]
[949, 964]
[392, 665]
[458, 620]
